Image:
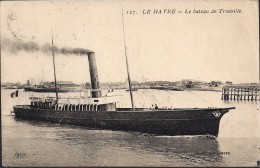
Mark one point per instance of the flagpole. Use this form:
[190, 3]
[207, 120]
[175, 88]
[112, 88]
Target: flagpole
[18, 97]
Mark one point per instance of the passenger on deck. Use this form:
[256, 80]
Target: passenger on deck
[156, 107]
[152, 108]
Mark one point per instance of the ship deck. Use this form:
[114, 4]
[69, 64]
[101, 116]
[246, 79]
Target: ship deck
[144, 109]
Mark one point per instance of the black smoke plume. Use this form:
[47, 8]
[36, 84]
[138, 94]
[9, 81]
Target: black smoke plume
[19, 45]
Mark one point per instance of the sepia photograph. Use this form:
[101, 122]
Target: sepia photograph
[127, 83]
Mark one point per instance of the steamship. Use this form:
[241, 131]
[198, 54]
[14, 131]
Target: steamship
[62, 86]
[101, 112]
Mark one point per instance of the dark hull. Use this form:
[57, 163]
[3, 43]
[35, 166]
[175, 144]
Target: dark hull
[132, 90]
[167, 122]
[27, 89]
[48, 90]
[52, 90]
[175, 89]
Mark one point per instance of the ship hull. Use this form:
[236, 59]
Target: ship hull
[48, 90]
[167, 122]
[51, 90]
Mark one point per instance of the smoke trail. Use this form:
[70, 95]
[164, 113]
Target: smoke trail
[47, 48]
[14, 46]
[19, 45]
[74, 51]
[80, 51]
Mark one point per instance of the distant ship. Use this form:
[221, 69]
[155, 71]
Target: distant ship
[62, 86]
[205, 89]
[11, 86]
[173, 88]
[213, 89]
[158, 87]
[133, 89]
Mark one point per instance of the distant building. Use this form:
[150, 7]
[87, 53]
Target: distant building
[215, 83]
[229, 82]
[189, 84]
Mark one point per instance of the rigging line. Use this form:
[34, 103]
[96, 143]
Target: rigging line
[198, 97]
[212, 105]
[154, 98]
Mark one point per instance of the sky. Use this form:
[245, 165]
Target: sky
[168, 47]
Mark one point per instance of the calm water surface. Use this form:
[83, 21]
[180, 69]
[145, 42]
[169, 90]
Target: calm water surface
[46, 144]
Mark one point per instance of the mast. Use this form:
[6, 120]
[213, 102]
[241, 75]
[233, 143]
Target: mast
[55, 81]
[128, 72]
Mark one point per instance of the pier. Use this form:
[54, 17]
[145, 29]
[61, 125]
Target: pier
[250, 92]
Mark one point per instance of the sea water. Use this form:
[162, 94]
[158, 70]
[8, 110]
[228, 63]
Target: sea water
[30, 143]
